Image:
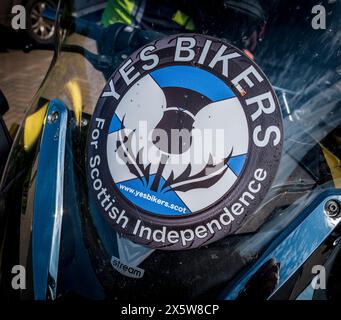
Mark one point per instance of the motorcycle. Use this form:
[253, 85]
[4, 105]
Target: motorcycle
[52, 222]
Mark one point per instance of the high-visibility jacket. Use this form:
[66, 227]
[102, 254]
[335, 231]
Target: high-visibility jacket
[151, 14]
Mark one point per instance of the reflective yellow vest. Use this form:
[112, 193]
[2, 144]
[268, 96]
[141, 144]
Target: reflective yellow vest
[131, 12]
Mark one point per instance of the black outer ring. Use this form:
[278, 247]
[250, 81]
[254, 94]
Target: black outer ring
[267, 157]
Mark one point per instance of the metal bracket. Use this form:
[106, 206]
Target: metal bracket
[293, 247]
[48, 201]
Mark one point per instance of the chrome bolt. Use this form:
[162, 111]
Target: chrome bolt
[84, 122]
[52, 117]
[332, 208]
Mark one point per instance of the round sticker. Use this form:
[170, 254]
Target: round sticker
[184, 142]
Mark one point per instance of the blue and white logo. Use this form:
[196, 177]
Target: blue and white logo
[148, 164]
[184, 143]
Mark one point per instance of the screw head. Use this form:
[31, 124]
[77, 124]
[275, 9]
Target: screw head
[52, 117]
[84, 122]
[332, 208]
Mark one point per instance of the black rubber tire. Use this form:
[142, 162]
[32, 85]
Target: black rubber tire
[31, 4]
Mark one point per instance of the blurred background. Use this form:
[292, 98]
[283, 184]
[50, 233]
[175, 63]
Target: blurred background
[20, 73]
[301, 48]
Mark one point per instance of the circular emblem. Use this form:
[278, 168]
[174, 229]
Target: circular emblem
[184, 142]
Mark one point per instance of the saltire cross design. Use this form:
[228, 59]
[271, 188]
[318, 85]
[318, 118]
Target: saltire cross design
[176, 97]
